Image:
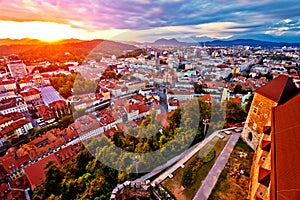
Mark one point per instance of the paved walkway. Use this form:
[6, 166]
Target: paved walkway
[181, 162]
[211, 179]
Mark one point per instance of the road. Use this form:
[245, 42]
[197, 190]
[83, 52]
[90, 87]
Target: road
[211, 179]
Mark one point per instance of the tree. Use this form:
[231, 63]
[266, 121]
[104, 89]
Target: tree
[235, 113]
[65, 121]
[238, 89]
[175, 118]
[198, 89]
[117, 139]
[54, 177]
[65, 91]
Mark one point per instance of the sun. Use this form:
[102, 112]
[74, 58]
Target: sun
[45, 31]
[50, 39]
[50, 32]
[53, 31]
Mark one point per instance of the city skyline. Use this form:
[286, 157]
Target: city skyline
[149, 20]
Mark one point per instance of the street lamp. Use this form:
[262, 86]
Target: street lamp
[205, 123]
[136, 160]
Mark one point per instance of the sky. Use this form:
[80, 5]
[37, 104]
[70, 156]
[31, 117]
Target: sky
[148, 20]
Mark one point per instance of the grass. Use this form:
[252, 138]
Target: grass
[229, 187]
[174, 185]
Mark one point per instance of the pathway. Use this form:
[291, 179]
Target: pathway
[211, 179]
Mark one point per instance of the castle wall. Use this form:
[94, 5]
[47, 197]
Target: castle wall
[261, 159]
[259, 116]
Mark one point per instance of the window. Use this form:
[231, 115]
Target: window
[254, 126]
[250, 136]
[255, 109]
[261, 104]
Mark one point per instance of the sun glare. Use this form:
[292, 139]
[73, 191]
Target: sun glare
[45, 31]
[52, 32]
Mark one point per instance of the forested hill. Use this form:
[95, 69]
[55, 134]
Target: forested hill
[63, 51]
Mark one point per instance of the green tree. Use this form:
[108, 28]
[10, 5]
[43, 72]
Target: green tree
[235, 113]
[238, 89]
[198, 89]
[54, 178]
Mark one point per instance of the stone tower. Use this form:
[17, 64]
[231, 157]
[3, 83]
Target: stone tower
[275, 166]
[274, 93]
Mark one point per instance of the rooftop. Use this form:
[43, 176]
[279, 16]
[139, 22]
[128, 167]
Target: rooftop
[278, 90]
[285, 149]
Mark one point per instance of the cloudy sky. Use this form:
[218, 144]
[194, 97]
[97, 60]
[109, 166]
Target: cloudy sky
[147, 20]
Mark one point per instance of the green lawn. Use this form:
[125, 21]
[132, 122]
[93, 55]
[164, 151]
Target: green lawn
[228, 187]
[174, 185]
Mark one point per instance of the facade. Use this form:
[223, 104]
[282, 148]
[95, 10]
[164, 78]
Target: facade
[32, 96]
[9, 84]
[275, 168]
[16, 129]
[11, 105]
[180, 95]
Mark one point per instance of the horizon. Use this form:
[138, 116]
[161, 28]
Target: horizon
[50, 20]
[145, 42]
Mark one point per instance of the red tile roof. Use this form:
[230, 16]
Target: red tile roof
[66, 154]
[45, 112]
[285, 150]
[8, 103]
[36, 172]
[278, 90]
[15, 115]
[14, 126]
[58, 104]
[4, 119]
[86, 124]
[207, 97]
[163, 119]
[31, 91]
[138, 97]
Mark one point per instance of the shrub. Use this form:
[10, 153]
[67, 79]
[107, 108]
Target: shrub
[210, 156]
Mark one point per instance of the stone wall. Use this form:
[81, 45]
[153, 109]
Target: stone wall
[261, 159]
[259, 116]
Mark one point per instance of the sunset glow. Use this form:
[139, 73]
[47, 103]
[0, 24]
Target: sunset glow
[50, 31]
[145, 20]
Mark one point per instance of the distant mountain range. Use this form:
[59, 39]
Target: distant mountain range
[31, 50]
[29, 41]
[251, 42]
[226, 43]
[167, 42]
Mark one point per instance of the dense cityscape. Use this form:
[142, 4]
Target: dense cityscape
[54, 114]
[140, 99]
